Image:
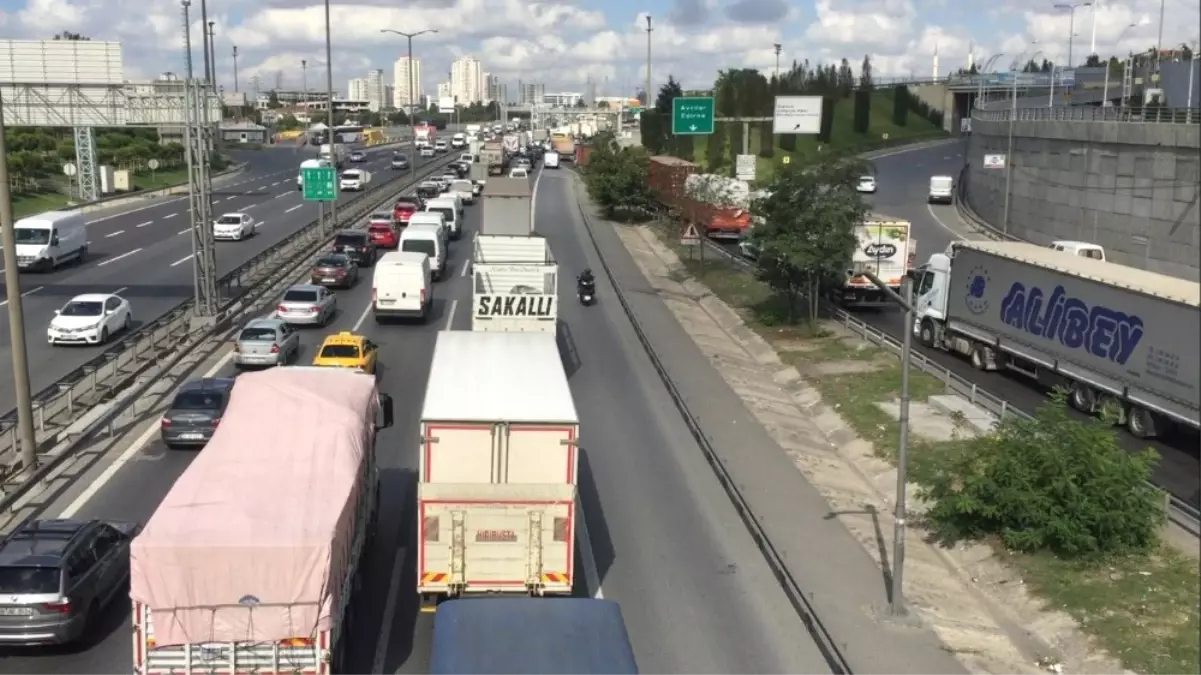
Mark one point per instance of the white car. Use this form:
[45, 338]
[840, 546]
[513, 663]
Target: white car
[353, 180]
[425, 151]
[440, 145]
[235, 227]
[519, 172]
[866, 184]
[90, 319]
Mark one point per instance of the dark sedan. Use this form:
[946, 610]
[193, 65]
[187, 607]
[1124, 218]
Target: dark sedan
[358, 157]
[357, 245]
[195, 412]
[335, 269]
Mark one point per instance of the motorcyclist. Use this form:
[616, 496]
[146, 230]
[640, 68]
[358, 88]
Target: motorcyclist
[586, 280]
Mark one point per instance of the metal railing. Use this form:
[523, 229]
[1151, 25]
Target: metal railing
[62, 405]
[1142, 115]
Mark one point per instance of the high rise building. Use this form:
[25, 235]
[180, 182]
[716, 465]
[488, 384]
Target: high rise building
[389, 96]
[444, 91]
[401, 92]
[375, 90]
[531, 93]
[467, 81]
[494, 90]
[356, 89]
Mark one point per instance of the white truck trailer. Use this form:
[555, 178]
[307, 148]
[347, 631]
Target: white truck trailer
[1116, 337]
[250, 563]
[884, 248]
[498, 467]
[515, 284]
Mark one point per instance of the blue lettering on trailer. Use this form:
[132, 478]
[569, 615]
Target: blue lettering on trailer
[1103, 332]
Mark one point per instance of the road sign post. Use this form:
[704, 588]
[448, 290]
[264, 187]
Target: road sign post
[320, 183]
[692, 115]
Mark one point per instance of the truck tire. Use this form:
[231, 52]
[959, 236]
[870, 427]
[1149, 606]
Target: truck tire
[926, 335]
[1141, 422]
[1082, 398]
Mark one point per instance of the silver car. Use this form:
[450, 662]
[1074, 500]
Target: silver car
[307, 305]
[266, 342]
[57, 577]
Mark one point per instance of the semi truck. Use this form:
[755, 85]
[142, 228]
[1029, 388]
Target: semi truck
[334, 153]
[250, 562]
[1117, 338]
[585, 636]
[506, 207]
[497, 469]
[492, 155]
[562, 143]
[887, 250]
[675, 184]
[514, 284]
[424, 134]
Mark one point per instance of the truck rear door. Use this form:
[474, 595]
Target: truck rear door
[499, 453]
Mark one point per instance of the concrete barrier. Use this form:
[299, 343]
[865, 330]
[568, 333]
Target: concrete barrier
[131, 197]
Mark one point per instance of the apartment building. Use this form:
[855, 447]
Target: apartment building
[402, 71]
[467, 81]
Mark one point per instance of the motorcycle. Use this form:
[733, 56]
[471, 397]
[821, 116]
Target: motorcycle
[586, 290]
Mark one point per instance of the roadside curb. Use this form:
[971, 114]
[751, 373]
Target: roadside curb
[121, 200]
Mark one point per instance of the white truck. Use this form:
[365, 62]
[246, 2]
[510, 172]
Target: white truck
[515, 282]
[334, 153]
[498, 466]
[884, 248]
[258, 574]
[1117, 338]
[507, 207]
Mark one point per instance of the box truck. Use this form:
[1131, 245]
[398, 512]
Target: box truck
[1117, 338]
[887, 250]
[514, 284]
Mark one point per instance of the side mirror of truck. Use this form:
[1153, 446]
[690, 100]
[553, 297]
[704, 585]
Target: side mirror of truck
[384, 415]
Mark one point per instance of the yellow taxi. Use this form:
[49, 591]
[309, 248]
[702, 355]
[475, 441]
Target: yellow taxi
[347, 350]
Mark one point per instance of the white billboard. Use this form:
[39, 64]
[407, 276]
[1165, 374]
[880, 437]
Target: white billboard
[797, 115]
[61, 62]
[446, 105]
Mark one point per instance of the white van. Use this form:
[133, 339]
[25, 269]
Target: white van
[942, 190]
[433, 219]
[427, 239]
[49, 239]
[308, 164]
[463, 189]
[458, 141]
[352, 180]
[401, 286]
[550, 160]
[454, 219]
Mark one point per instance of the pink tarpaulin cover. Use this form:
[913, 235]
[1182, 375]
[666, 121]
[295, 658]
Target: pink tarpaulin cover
[265, 512]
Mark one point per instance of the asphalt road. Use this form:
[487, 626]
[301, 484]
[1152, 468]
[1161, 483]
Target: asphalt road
[668, 545]
[902, 188]
[144, 252]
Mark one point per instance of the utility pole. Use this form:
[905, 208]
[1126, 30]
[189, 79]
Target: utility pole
[778, 47]
[212, 41]
[204, 21]
[412, 91]
[200, 195]
[649, 30]
[329, 104]
[304, 83]
[235, 69]
[16, 317]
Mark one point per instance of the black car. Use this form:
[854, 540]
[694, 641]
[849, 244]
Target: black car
[357, 245]
[461, 168]
[428, 190]
[195, 412]
[57, 576]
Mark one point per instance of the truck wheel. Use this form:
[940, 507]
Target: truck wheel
[926, 335]
[979, 360]
[1082, 398]
[1141, 422]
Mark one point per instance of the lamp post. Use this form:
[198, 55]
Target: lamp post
[777, 47]
[1105, 90]
[649, 30]
[1013, 113]
[329, 104]
[1072, 23]
[412, 125]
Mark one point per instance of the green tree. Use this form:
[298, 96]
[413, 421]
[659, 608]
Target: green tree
[652, 128]
[1053, 483]
[670, 91]
[806, 233]
[68, 35]
[863, 111]
[767, 103]
[825, 131]
[616, 176]
[865, 74]
[900, 105]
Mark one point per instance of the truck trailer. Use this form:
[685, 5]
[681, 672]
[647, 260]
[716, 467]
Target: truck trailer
[506, 207]
[673, 182]
[497, 472]
[884, 248]
[1117, 338]
[492, 155]
[514, 284]
[578, 636]
[250, 563]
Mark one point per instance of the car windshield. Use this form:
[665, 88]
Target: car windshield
[83, 308]
[399, 158]
[340, 352]
[379, 229]
[229, 220]
[425, 246]
[300, 296]
[350, 175]
[32, 235]
[381, 215]
[258, 334]
[29, 580]
[331, 261]
[447, 214]
[197, 400]
[348, 240]
[406, 207]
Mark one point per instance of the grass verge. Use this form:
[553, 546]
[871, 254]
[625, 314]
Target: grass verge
[1143, 610]
[26, 204]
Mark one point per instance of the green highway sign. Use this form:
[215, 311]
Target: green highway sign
[692, 115]
[320, 183]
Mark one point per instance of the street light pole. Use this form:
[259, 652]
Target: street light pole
[649, 30]
[1072, 23]
[204, 42]
[235, 69]
[980, 75]
[412, 104]
[329, 104]
[778, 47]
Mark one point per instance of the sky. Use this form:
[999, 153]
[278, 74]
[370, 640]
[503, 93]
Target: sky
[566, 43]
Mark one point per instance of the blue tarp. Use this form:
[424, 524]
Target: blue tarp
[531, 636]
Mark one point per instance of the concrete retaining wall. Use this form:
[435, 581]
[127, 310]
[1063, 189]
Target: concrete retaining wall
[1133, 188]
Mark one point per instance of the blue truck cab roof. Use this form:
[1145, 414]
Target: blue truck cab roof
[531, 636]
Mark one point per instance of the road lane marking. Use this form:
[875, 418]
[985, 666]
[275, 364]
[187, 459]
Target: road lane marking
[102, 263]
[29, 292]
[113, 234]
[957, 235]
[170, 215]
[294, 208]
[121, 290]
[450, 316]
[181, 260]
[273, 184]
[148, 222]
[281, 195]
[230, 199]
[185, 231]
[358, 324]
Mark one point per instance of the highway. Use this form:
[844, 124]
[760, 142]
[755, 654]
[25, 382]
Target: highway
[666, 542]
[144, 253]
[902, 187]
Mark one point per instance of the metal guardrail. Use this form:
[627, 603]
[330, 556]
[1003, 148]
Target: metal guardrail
[1141, 115]
[1187, 516]
[65, 402]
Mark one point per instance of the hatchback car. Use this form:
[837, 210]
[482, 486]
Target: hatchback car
[195, 412]
[519, 172]
[266, 342]
[90, 319]
[866, 184]
[426, 151]
[336, 269]
[357, 245]
[402, 212]
[400, 161]
[57, 576]
[307, 305]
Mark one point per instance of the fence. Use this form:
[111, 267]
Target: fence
[1142, 115]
